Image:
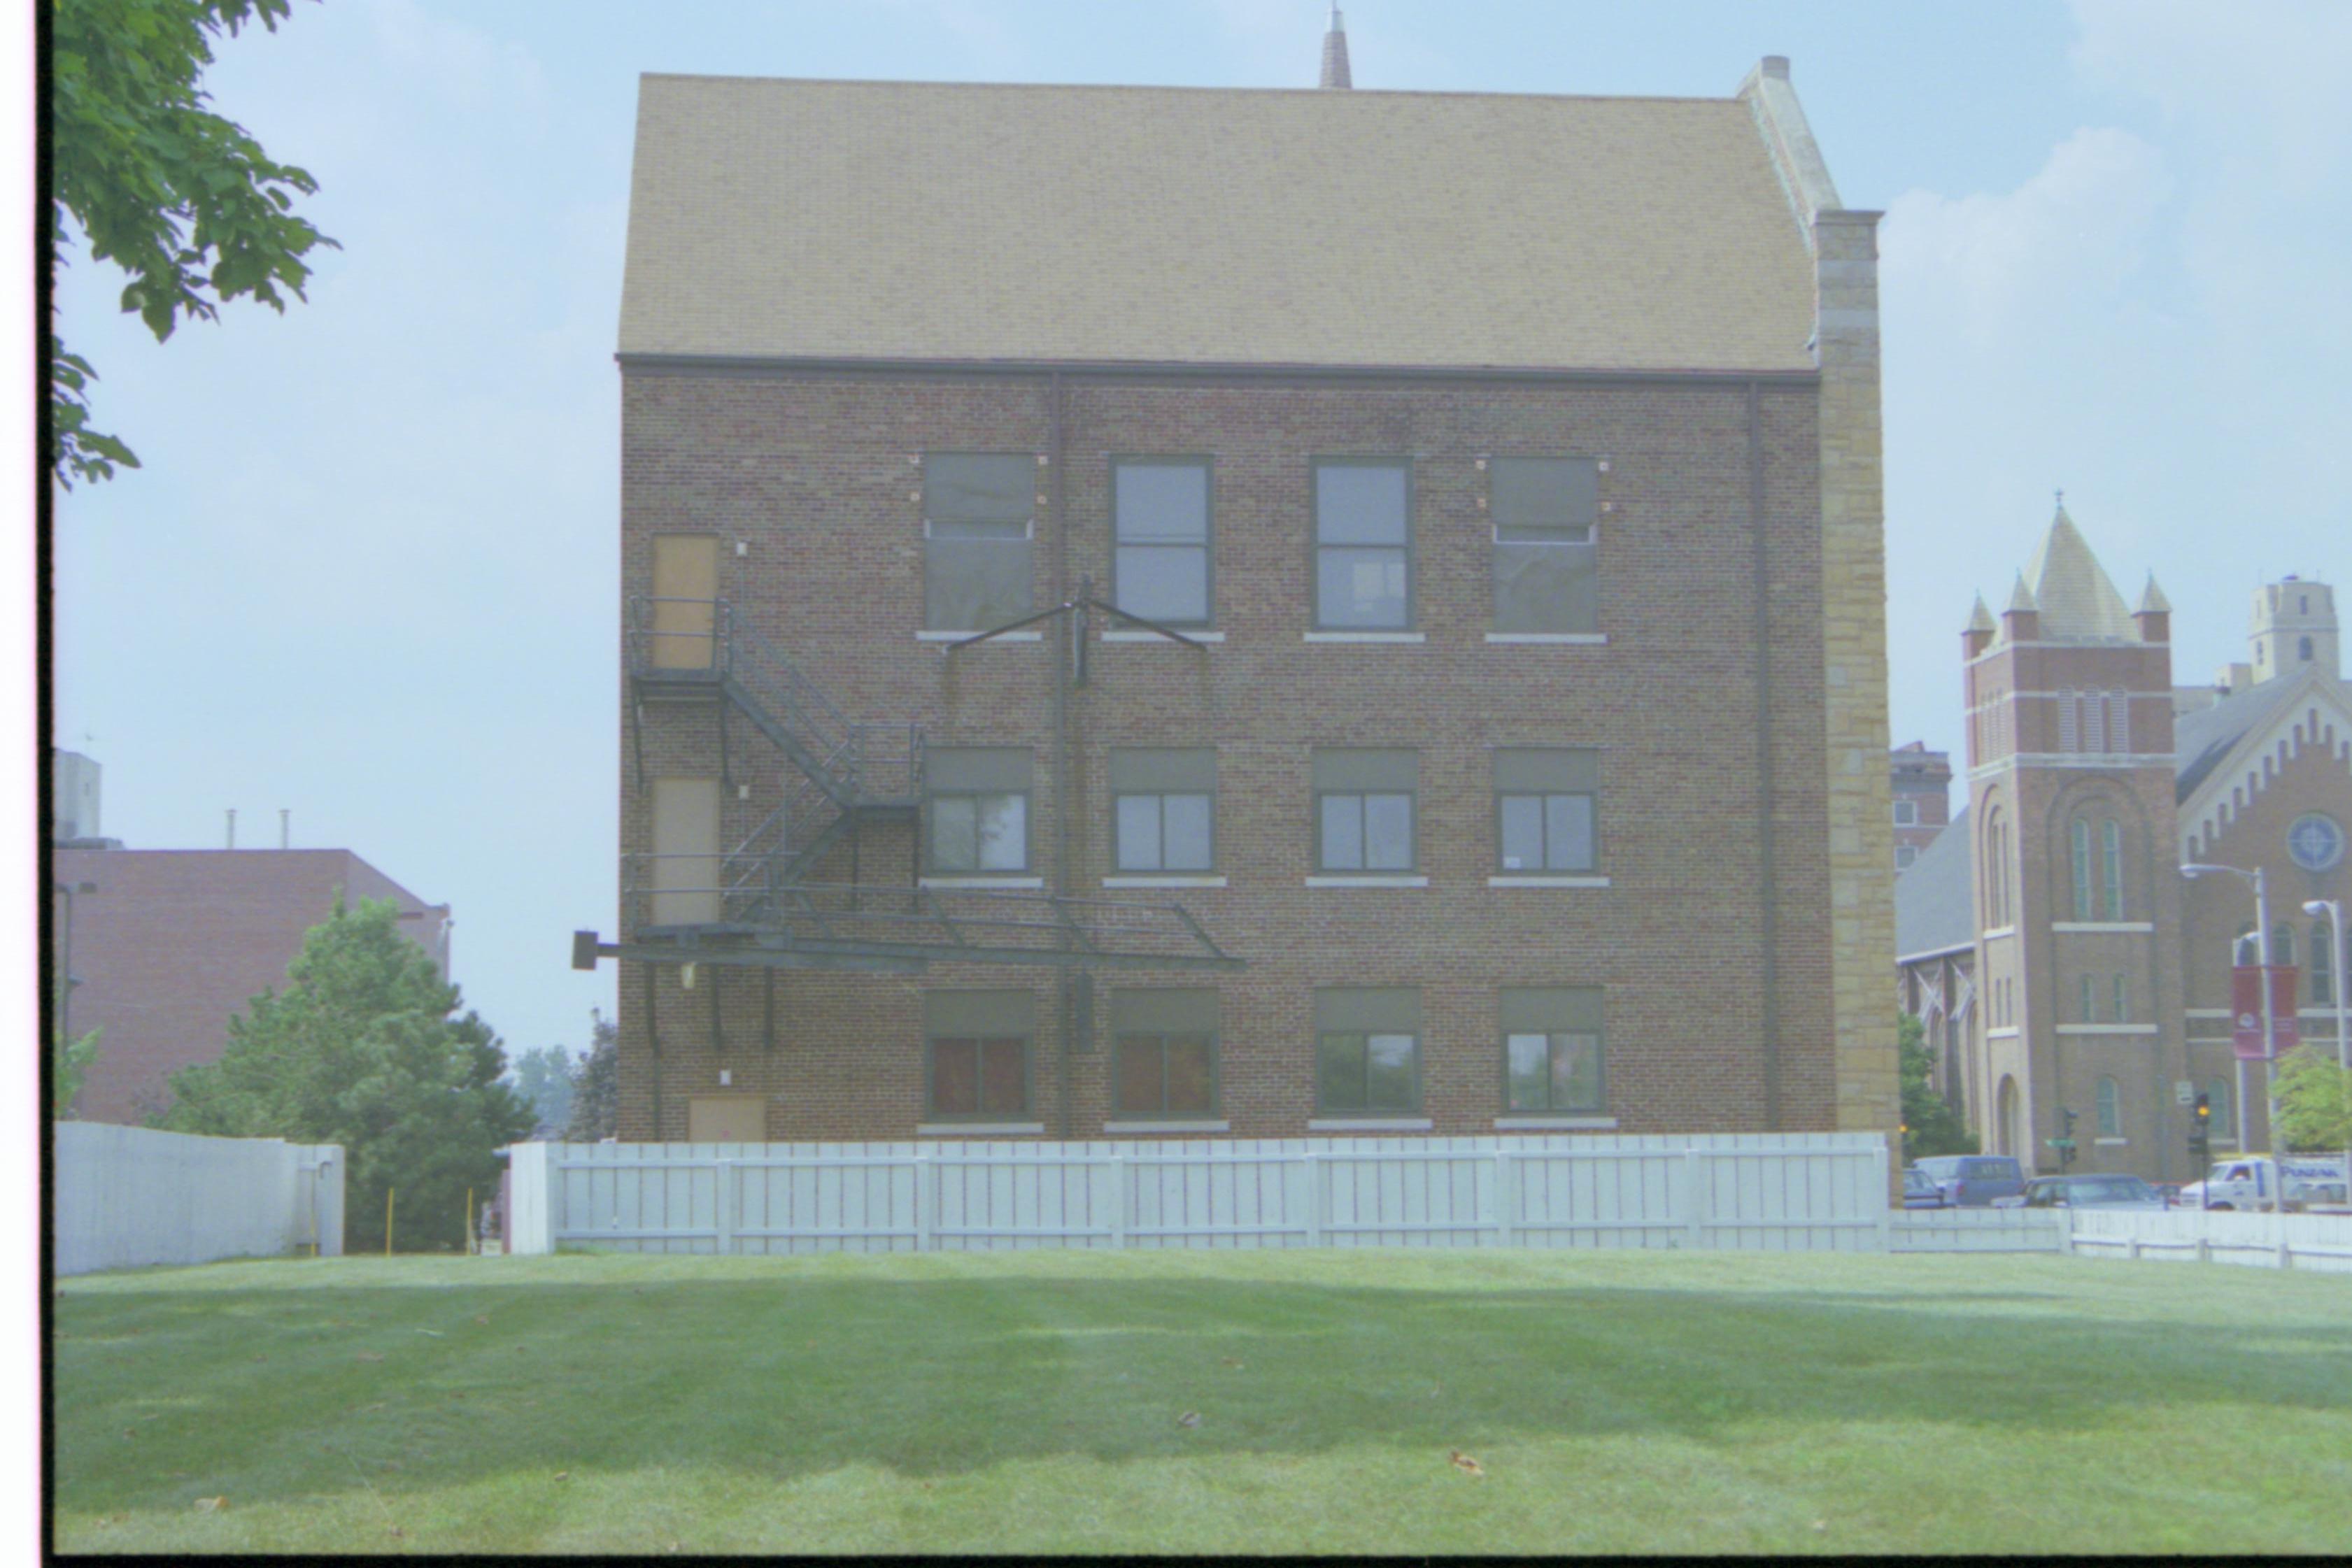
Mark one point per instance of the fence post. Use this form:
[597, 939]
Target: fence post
[1506, 1198]
[922, 1200]
[724, 1170]
[1117, 1201]
[1312, 1164]
[2131, 1247]
[1694, 1225]
[2204, 1251]
[2287, 1254]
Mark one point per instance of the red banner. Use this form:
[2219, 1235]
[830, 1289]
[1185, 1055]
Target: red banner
[2246, 1012]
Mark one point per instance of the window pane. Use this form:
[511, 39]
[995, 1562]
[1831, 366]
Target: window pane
[1164, 582]
[1139, 832]
[1343, 832]
[1522, 827]
[955, 1077]
[1359, 504]
[1388, 832]
[973, 584]
[955, 845]
[1186, 828]
[1191, 1081]
[1387, 1073]
[1139, 1074]
[1568, 831]
[1361, 587]
[1162, 502]
[1000, 1087]
[962, 485]
[1544, 586]
[1575, 1073]
[1528, 1076]
[1003, 832]
[1339, 1071]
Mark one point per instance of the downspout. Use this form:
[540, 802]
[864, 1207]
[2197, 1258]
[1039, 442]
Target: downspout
[1064, 765]
[1766, 924]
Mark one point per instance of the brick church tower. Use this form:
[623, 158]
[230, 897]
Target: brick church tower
[2077, 874]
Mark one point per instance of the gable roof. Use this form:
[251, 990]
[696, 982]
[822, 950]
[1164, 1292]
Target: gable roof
[1934, 911]
[2202, 741]
[808, 219]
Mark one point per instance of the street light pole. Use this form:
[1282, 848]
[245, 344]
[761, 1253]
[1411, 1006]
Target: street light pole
[2270, 1033]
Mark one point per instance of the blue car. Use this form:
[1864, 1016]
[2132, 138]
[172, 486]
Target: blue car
[1974, 1181]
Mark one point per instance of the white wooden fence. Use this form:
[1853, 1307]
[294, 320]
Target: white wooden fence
[130, 1197]
[2320, 1242]
[1792, 1192]
[1978, 1230]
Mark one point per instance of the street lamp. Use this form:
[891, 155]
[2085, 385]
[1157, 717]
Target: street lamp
[2270, 1038]
[2334, 909]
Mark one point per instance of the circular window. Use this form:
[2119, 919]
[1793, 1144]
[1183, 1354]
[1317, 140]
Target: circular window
[2315, 841]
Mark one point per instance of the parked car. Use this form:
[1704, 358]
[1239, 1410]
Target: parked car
[2171, 1192]
[2251, 1182]
[2089, 1191]
[1920, 1191]
[1973, 1181]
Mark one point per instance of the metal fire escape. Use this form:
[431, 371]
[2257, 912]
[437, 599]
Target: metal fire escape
[755, 906]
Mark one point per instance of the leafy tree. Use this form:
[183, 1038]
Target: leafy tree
[69, 1066]
[183, 200]
[1930, 1125]
[361, 1050]
[596, 1092]
[543, 1078]
[2315, 1102]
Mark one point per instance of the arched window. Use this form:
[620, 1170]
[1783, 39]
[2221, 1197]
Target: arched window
[1996, 872]
[2303, 649]
[2246, 950]
[2323, 964]
[2282, 944]
[2112, 842]
[2111, 1109]
[2123, 1000]
[2083, 908]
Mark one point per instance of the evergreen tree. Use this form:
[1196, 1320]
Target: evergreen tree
[361, 1050]
[596, 1093]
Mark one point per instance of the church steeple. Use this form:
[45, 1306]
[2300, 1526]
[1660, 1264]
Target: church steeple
[1335, 52]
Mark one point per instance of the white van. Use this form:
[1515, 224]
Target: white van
[2251, 1181]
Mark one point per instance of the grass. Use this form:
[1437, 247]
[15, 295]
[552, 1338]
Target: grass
[1611, 1401]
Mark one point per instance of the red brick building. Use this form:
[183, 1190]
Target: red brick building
[1418, 530]
[1922, 784]
[164, 947]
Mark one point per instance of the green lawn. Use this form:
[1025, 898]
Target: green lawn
[1610, 1401]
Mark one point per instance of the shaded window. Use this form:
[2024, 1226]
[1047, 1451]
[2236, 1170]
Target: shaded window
[2122, 1000]
[978, 518]
[1364, 809]
[1544, 809]
[2112, 883]
[1159, 523]
[1366, 1049]
[2090, 998]
[976, 806]
[1997, 870]
[2111, 1109]
[2282, 945]
[1906, 813]
[976, 1049]
[1165, 1045]
[1552, 1048]
[2323, 964]
[1163, 812]
[1363, 540]
[1543, 510]
[2303, 649]
[2084, 908]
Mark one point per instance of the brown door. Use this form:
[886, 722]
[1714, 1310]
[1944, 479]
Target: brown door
[686, 851]
[686, 601]
[727, 1119]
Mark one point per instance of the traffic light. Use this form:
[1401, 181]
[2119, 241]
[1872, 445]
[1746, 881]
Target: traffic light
[2064, 1142]
[2201, 1132]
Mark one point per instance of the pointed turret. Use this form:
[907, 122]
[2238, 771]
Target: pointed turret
[2154, 615]
[1978, 635]
[1335, 52]
[2022, 622]
[2077, 601]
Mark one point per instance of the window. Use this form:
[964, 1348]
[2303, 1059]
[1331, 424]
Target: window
[2090, 998]
[1363, 809]
[2069, 721]
[1904, 855]
[2118, 721]
[1165, 1045]
[2111, 839]
[977, 801]
[2303, 649]
[2282, 945]
[1159, 524]
[2122, 1000]
[2094, 726]
[2085, 909]
[1544, 809]
[1543, 510]
[1368, 1049]
[2323, 964]
[1363, 545]
[1162, 808]
[2111, 1109]
[2248, 949]
[1996, 869]
[979, 516]
[2217, 1100]
[1552, 1048]
[1906, 813]
[977, 1052]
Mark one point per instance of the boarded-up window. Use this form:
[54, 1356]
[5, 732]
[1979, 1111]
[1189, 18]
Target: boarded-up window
[1364, 808]
[979, 513]
[1363, 545]
[1166, 1045]
[977, 1043]
[1163, 802]
[976, 803]
[1160, 565]
[1544, 809]
[1366, 1049]
[1552, 1048]
[1543, 510]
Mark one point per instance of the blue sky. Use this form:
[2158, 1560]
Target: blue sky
[369, 572]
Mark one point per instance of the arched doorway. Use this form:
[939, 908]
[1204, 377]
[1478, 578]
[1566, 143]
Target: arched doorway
[2006, 1135]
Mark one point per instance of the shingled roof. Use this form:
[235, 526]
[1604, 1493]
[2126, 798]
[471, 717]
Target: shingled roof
[1934, 911]
[798, 219]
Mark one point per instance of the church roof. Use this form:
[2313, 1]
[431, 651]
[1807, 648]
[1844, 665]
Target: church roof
[976, 222]
[2078, 602]
[2203, 740]
[1933, 909]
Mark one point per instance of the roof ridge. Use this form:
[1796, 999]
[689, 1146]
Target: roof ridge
[1728, 101]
